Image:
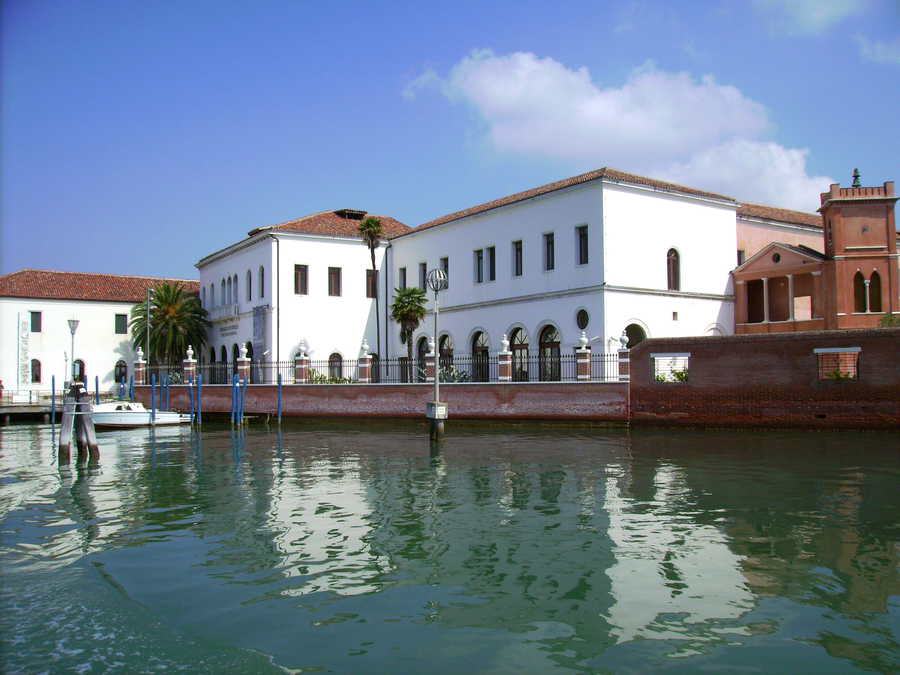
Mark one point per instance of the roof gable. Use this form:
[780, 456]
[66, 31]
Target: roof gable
[748, 210]
[339, 223]
[788, 258]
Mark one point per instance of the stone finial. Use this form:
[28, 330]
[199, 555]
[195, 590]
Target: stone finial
[504, 343]
[243, 350]
[190, 353]
[139, 354]
[304, 347]
[856, 181]
[623, 340]
[583, 340]
[364, 349]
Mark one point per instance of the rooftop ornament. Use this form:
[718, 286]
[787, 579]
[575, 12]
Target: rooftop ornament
[856, 182]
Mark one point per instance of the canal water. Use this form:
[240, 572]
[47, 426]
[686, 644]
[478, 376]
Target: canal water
[508, 549]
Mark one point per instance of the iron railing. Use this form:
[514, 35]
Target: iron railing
[526, 367]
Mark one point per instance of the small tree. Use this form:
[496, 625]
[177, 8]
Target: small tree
[890, 321]
[408, 310]
[371, 232]
[176, 320]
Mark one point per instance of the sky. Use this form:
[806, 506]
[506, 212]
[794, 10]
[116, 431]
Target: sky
[137, 137]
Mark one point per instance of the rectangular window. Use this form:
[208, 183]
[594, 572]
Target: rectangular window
[670, 367]
[371, 283]
[517, 258]
[334, 281]
[301, 279]
[402, 277]
[838, 363]
[581, 235]
[423, 274]
[492, 263]
[121, 324]
[445, 267]
[740, 257]
[35, 322]
[549, 253]
[479, 266]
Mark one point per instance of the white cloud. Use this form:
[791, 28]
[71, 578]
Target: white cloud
[427, 79]
[669, 125]
[879, 52]
[808, 16]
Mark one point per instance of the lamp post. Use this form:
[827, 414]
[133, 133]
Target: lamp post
[435, 410]
[147, 344]
[73, 326]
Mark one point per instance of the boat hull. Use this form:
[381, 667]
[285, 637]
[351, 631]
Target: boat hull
[131, 419]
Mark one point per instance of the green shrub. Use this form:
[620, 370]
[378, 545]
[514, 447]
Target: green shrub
[890, 321]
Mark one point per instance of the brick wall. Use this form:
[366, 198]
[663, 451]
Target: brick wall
[590, 401]
[771, 380]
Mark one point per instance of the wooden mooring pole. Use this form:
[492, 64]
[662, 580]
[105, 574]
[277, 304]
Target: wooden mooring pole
[78, 422]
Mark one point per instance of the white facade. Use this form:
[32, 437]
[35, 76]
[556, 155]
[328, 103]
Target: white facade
[621, 279]
[97, 344]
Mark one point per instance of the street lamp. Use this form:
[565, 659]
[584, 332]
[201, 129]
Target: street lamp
[73, 326]
[435, 410]
[150, 294]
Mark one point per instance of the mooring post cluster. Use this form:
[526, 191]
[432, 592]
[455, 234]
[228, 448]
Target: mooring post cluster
[77, 422]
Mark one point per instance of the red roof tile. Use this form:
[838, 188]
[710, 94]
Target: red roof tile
[605, 173]
[340, 223]
[781, 215]
[52, 285]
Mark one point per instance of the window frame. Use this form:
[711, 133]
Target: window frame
[334, 274]
[445, 268]
[582, 245]
[371, 284]
[34, 366]
[39, 315]
[301, 279]
[673, 269]
[549, 251]
[491, 263]
[116, 324]
[478, 262]
[401, 273]
[423, 275]
[518, 258]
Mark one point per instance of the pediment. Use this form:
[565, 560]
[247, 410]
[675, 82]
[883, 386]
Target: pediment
[776, 259]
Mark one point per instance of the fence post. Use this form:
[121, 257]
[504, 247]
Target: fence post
[278, 376]
[430, 361]
[96, 390]
[152, 398]
[243, 364]
[189, 365]
[624, 359]
[583, 359]
[364, 365]
[200, 399]
[140, 367]
[504, 361]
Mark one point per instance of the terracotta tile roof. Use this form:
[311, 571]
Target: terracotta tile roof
[51, 285]
[605, 173]
[340, 223]
[781, 215]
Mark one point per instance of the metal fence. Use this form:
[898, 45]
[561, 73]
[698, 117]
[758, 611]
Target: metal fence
[526, 367]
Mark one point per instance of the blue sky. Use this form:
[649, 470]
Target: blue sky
[139, 136]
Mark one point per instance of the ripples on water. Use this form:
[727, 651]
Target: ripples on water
[529, 549]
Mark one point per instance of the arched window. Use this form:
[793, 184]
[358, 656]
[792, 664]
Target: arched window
[224, 298]
[80, 371]
[445, 351]
[235, 352]
[120, 372]
[421, 353]
[481, 354]
[212, 355]
[548, 356]
[35, 371]
[635, 334]
[203, 297]
[875, 292]
[224, 353]
[518, 340]
[262, 281]
[859, 292]
[235, 296]
[212, 295]
[228, 287]
[335, 366]
[673, 270]
[249, 286]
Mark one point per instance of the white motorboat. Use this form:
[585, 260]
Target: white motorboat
[128, 414]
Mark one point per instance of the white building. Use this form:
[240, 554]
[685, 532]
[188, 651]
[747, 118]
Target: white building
[36, 343]
[601, 252]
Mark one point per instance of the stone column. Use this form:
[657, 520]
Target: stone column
[504, 361]
[867, 283]
[243, 364]
[765, 299]
[817, 299]
[364, 364]
[624, 358]
[740, 301]
[790, 278]
[140, 368]
[189, 366]
[583, 359]
[430, 360]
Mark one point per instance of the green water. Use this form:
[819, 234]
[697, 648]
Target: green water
[511, 550]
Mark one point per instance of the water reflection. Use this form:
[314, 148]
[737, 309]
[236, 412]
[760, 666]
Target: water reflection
[536, 548]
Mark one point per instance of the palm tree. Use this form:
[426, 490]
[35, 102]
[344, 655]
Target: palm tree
[408, 310]
[176, 320]
[371, 231]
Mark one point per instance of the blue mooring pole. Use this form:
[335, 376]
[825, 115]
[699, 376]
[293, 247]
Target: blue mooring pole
[243, 394]
[199, 399]
[122, 388]
[131, 388]
[233, 398]
[96, 390]
[153, 397]
[191, 397]
[279, 398]
[53, 399]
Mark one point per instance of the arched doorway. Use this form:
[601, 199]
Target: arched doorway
[335, 366]
[859, 293]
[80, 374]
[548, 356]
[120, 372]
[875, 292]
[421, 353]
[518, 341]
[635, 334]
[254, 367]
[445, 351]
[481, 354]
